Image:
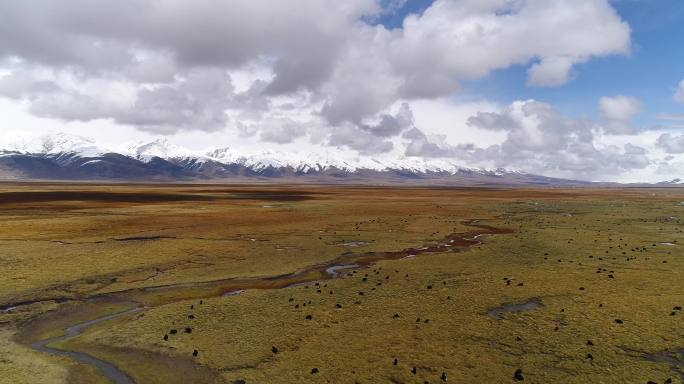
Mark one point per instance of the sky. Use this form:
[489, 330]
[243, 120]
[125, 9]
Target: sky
[582, 89]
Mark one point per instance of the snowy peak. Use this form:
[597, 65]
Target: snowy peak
[276, 159]
[62, 142]
[161, 148]
[64, 156]
[58, 143]
[71, 146]
[332, 158]
[672, 182]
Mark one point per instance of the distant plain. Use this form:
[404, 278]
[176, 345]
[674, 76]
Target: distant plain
[465, 285]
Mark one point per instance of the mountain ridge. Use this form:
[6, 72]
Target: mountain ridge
[66, 157]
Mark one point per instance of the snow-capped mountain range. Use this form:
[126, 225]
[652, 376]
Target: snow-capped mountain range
[63, 156]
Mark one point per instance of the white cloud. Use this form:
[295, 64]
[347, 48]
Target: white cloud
[268, 75]
[282, 131]
[550, 72]
[670, 117]
[618, 112]
[351, 70]
[541, 140]
[670, 143]
[679, 94]
[619, 107]
[449, 118]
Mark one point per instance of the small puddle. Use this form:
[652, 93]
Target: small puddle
[108, 370]
[515, 307]
[333, 271]
[472, 238]
[233, 293]
[354, 244]
[668, 244]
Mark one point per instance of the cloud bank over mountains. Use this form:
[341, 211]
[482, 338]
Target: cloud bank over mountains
[324, 73]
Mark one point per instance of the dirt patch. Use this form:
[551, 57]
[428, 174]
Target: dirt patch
[94, 196]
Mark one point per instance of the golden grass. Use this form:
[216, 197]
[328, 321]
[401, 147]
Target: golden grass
[21, 365]
[562, 238]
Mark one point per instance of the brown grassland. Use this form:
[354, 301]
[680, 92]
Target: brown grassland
[464, 285]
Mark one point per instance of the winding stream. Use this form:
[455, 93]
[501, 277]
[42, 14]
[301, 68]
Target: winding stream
[334, 270]
[159, 295]
[107, 370]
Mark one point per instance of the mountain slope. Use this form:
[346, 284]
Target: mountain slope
[64, 157]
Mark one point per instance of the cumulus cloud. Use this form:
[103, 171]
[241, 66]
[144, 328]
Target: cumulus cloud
[679, 94]
[550, 72]
[538, 140]
[264, 71]
[619, 107]
[670, 143]
[19, 85]
[390, 125]
[491, 35]
[364, 142]
[282, 132]
[201, 33]
[420, 145]
[351, 69]
[618, 112]
[374, 137]
[196, 101]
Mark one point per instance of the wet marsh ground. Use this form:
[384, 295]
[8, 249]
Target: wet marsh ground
[579, 286]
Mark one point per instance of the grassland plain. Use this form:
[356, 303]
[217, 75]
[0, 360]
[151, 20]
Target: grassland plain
[597, 274]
